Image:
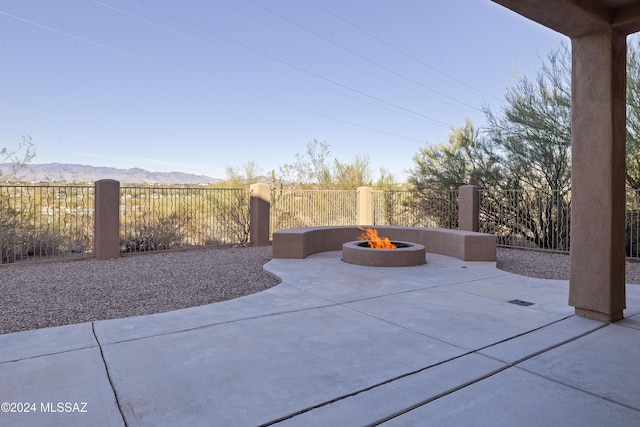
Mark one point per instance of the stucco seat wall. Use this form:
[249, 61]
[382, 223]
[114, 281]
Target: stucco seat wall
[299, 243]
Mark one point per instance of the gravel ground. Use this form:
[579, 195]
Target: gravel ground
[43, 294]
[546, 265]
[53, 293]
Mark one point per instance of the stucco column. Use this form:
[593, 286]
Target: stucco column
[259, 212]
[106, 234]
[597, 280]
[469, 208]
[365, 206]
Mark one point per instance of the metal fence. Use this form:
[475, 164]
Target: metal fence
[40, 221]
[310, 208]
[633, 224]
[542, 219]
[156, 218]
[527, 219]
[430, 208]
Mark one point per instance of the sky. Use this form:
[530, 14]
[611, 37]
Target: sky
[197, 86]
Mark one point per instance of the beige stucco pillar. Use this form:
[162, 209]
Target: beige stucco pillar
[259, 213]
[365, 206]
[597, 281]
[106, 235]
[468, 208]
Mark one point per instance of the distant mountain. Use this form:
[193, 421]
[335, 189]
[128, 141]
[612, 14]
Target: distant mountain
[60, 172]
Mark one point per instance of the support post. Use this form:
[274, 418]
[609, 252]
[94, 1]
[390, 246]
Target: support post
[598, 121]
[365, 206]
[259, 212]
[106, 236]
[469, 208]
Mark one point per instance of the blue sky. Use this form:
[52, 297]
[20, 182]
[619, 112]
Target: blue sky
[199, 85]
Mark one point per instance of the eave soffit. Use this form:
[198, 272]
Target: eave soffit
[575, 18]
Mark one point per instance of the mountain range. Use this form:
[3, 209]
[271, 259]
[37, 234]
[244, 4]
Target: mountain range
[61, 172]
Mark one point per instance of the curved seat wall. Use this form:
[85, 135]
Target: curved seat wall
[299, 243]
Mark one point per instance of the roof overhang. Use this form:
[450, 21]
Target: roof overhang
[575, 18]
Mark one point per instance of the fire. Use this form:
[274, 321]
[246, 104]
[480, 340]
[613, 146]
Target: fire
[375, 241]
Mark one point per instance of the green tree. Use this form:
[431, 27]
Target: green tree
[525, 146]
[532, 133]
[633, 116]
[468, 158]
[530, 137]
[240, 177]
[386, 180]
[349, 176]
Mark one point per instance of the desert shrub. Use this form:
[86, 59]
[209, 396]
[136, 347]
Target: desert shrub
[232, 215]
[19, 241]
[164, 233]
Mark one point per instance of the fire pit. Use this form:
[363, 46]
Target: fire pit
[373, 251]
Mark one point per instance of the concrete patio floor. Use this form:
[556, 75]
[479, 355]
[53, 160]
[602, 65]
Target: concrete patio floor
[339, 345]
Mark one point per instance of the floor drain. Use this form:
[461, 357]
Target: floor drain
[521, 302]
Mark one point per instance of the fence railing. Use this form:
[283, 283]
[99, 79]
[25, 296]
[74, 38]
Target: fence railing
[310, 208]
[155, 218]
[431, 208]
[39, 221]
[633, 224]
[42, 221]
[527, 219]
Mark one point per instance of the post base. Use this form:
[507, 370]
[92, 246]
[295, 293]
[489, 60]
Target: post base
[602, 317]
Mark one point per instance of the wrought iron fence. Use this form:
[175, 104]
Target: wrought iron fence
[310, 208]
[156, 218]
[40, 221]
[429, 208]
[527, 219]
[633, 224]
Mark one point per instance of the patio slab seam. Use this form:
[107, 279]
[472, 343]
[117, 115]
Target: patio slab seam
[537, 353]
[398, 325]
[347, 305]
[109, 378]
[37, 356]
[110, 332]
[368, 298]
[421, 288]
[507, 365]
[573, 387]
[215, 324]
[374, 386]
[438, 396]
[627, 325]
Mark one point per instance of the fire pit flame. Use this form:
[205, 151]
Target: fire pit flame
[375, 241]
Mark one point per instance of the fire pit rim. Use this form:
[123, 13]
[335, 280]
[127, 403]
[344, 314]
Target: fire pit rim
[413, 254]
[398, 244]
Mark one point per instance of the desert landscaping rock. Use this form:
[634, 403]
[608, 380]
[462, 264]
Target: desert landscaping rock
[53, 293]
